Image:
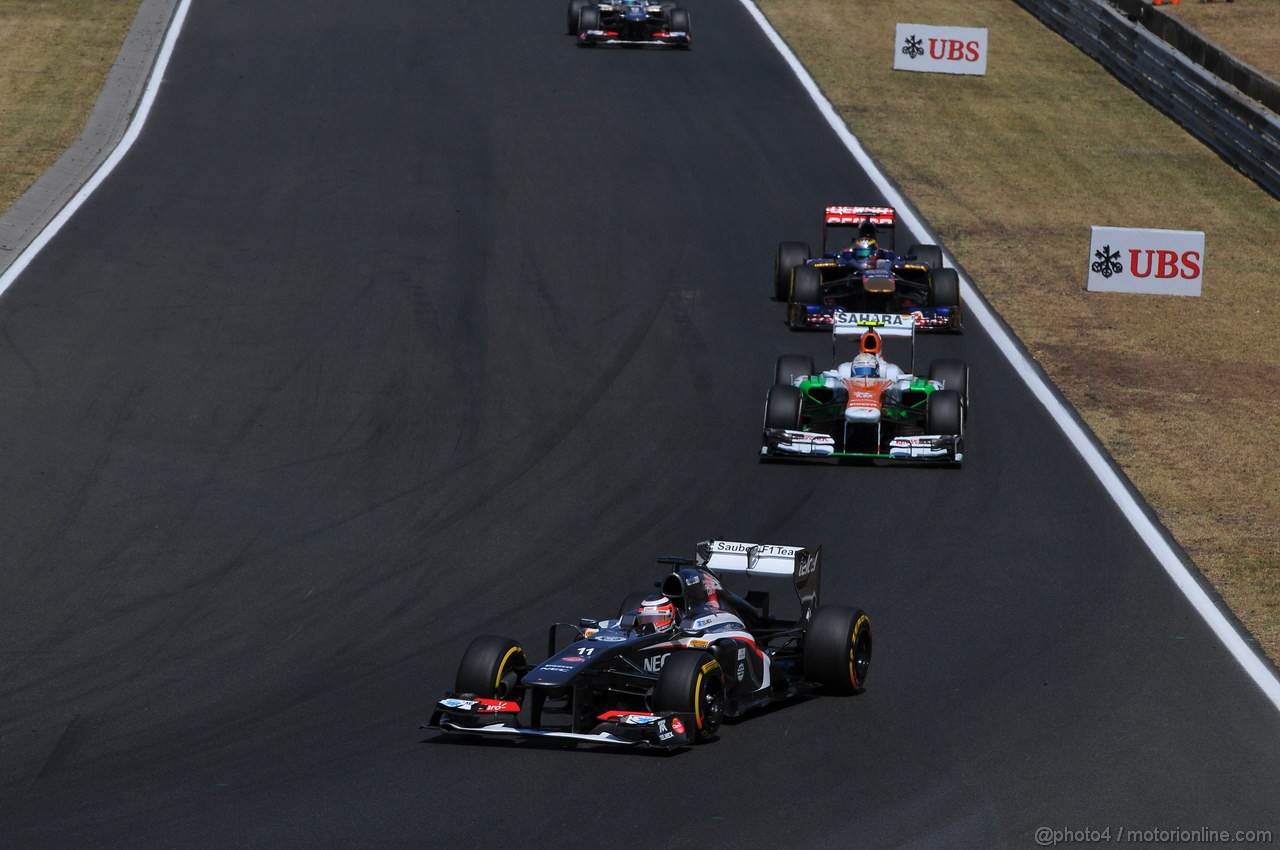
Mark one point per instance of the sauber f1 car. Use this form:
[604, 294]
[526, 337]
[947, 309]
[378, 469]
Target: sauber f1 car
[867, 408]
[673, 663]
[855, 272]
[630, 22]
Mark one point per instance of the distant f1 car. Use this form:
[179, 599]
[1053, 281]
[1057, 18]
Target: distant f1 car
[672, 664]
[630, 22]
[854, 273]
[867, 408]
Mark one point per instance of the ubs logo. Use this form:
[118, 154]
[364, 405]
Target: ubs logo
[1147, 262]
[948, 49]
[1107, 262]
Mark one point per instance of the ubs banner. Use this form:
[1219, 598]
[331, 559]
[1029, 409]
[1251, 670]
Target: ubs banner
[940, 50]
[1159, 262]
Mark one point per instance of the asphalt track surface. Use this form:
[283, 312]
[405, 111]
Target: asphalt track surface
[398, 326]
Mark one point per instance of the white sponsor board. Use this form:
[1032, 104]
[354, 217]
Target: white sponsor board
[940, 50]
[1157, 262]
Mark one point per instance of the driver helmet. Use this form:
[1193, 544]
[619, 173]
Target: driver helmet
[864, 249]
[865, 365]
[657, 613]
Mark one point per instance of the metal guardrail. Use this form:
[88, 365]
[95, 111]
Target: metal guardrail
[1212, 57]
[1242, 132]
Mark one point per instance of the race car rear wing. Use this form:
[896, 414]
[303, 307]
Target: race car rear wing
[886, 324]
[837, 214]
[804, 566]
[874, 221]
[850, 327]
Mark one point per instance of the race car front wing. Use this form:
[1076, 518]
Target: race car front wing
[475, 716]
[786, 443]
[590, 38]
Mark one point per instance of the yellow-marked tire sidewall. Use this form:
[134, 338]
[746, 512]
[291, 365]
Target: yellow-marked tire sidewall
[859, 628]
[486, 663]
[504, 665]
[698, 686]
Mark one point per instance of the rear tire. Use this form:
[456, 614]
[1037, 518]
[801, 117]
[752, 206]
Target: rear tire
[489, 667]
[953, 375]
[783, 407]
[789, 255]
[691, 684]
[588, 19]
[931, 255]
[943, 413]
[678, 21]
[792, 366]
[837, 649]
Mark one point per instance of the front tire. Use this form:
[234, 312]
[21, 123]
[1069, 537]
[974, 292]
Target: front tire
[490, 667]
[806, 285]
[678, 21]
[944, 414]
[789, 255]
[837, 649]
[806, 289]
[944, 288]
[691, 685]
[783, 407]
[575, 8]
[588, 19]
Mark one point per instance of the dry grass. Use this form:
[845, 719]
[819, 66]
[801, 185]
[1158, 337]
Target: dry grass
[1250, 29]
[54, 58]
[1013, 169]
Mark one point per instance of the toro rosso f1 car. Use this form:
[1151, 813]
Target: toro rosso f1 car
[856, 272]
[630, 22]
[672, 664]
[867, 408]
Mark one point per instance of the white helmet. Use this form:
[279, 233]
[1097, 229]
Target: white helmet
[865, 365]
[657, 614]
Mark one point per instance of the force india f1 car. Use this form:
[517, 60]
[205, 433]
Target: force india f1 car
[629, 22]
[867, 408]
[637, 681]
[855, 273]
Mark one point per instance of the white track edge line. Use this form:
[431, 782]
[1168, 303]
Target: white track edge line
[108, 165]
[1261, 673]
